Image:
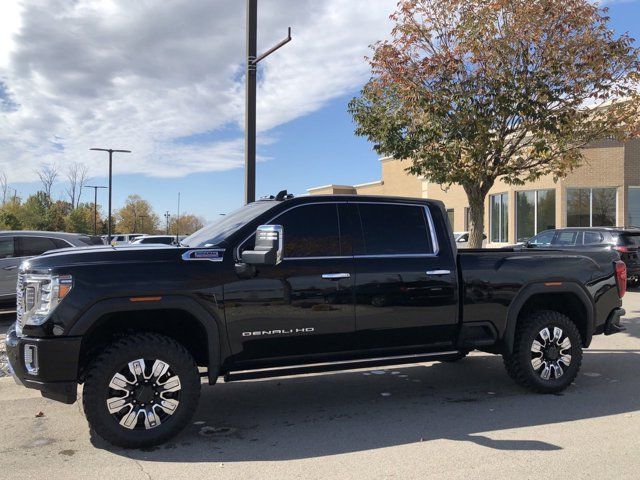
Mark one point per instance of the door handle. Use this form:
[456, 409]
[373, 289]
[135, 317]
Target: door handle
[13, 267]
[438, 272]
[335, 276]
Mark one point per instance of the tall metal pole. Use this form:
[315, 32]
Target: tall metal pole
[250, 113]
[111, 151]
[110, 191]
[250, 106]
[95, 206]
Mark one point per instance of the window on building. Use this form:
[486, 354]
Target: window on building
[535, 212]
[633, 207]
[499, 219]
[467, 223]
[591, 207]
[451, 215]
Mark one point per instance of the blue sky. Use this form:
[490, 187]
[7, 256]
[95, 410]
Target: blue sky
[182, 119]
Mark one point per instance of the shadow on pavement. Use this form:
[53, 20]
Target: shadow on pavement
[315, 416]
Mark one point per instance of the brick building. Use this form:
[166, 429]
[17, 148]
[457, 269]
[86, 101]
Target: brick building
[603, 191]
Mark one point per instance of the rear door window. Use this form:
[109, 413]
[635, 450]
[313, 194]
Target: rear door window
[566, 238]
[32, 246]
[6, 247]
[592, 238]
[61, 243]
[395, 229]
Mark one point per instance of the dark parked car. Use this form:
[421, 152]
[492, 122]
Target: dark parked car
[626, 241]
[16, 246]
[285, 286]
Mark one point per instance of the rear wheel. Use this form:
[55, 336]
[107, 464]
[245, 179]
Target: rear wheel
[547, 352]
[141, 390]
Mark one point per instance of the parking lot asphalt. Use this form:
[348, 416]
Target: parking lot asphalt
[429, 420]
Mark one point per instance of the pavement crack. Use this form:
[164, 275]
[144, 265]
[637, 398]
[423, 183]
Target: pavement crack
[139, 465]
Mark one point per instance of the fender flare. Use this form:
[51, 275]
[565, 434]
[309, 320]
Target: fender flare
[536, 288]
[206, 319]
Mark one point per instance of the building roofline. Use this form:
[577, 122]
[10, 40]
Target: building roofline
[331, 185]
[368, 184]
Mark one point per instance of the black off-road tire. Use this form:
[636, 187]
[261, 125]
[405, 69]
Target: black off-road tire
[116, 357]
[519, 363]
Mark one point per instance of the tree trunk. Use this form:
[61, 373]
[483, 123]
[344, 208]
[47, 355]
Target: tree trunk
[476, 196]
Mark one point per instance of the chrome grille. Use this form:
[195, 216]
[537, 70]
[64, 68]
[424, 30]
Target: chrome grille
[20, 303]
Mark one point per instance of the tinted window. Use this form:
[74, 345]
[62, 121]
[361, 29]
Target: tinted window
[565, 238]
[543, 239]
[32, 246]
[310, 231]
[6, 247]
[163, 240]
[592, 238]
[394, 229]
[60, 243]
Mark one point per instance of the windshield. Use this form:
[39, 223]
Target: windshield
[217, 232]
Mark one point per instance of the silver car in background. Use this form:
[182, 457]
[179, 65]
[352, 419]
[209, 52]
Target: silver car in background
[17, 246]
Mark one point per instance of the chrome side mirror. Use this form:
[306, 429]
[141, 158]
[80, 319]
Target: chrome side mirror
[268, 248]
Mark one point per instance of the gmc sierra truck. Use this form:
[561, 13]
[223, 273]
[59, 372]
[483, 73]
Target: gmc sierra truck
[286, 286]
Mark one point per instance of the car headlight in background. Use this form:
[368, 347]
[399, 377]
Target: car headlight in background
[40, 295]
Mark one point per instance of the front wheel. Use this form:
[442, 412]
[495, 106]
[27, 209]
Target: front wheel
[141, 390]
[547, 352]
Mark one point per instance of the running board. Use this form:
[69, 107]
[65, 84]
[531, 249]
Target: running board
[335, 366]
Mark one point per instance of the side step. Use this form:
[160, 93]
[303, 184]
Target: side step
[336, 366]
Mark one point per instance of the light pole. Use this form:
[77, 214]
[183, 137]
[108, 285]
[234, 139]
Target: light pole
[166, 217]
[111, 151]
[95, 206]
[142, 217]
[250, 118]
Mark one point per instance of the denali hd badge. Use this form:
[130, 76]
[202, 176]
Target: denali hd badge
[210, 254]
[286, 331]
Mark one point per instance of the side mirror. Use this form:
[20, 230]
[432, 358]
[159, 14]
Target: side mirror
[462, 240]
[268, 248]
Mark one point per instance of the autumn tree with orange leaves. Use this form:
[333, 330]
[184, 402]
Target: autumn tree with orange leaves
[470, 91]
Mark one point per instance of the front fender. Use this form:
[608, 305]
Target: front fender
[209, 321]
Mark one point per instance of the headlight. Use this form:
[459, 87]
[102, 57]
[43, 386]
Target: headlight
[41, 294]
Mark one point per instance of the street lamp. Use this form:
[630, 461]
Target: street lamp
[142, 217]
[111, 152]
[250, 118]
[95, 206]
[166, 217]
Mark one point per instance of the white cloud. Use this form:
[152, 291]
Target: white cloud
[142, 75]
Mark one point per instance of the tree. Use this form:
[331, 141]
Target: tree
[77, 178]
[136, 216]
[48, 173]
[472, 91]
[186, 225]
[34, 213]
[80, 219]
[10, 215]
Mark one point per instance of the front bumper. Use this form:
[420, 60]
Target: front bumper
[56, 359]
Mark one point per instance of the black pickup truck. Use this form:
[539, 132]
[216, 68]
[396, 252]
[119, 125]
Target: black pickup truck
[285, 286]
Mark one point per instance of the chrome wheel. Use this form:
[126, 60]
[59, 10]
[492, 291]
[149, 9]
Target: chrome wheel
[142, 397]
[550, 353]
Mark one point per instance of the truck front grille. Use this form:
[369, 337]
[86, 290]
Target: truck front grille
[20, 304]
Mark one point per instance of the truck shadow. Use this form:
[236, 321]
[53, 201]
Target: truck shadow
[469, 401]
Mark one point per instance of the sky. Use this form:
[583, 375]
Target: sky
[165, 80]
